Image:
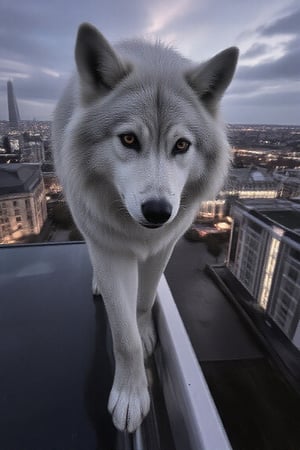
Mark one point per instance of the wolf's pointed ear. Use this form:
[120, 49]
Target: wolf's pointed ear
[98, 66]
[210, 79]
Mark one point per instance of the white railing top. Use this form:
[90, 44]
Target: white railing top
[178, 366]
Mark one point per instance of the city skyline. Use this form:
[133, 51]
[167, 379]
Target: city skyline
[37, 49]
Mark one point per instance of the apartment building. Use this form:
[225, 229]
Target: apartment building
[289, 183]
[250, 182]
[22, 201]
[264, 255]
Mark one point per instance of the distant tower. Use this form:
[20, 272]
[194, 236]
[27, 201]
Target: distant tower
[13, 110]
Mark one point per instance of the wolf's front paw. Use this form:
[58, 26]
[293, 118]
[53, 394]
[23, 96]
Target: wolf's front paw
[129, 404]
[147, 333]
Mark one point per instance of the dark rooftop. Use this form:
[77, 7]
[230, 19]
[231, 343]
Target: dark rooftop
[289, 219]
[56, 356]
[18, 178]
[275, 212]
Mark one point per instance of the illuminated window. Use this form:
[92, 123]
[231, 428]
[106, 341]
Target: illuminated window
[268, 273]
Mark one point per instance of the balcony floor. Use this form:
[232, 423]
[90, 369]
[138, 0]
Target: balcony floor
[258, 408]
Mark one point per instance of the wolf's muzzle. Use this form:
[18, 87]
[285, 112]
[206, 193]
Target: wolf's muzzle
[156, 212]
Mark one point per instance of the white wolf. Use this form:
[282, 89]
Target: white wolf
[138, 145]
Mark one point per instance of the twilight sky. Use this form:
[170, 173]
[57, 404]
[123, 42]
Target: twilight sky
[37, 46]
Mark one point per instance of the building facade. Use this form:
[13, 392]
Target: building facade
[289, 183]
[22, 201]
[33, 152]
[252, 182]
[264, 255]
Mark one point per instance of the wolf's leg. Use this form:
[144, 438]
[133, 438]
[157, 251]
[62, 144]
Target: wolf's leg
[116, 276]
[150, 272]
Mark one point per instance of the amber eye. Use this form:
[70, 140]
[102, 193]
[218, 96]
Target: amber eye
[130, 140]
[181, 146]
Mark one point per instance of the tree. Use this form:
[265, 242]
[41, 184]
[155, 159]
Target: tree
[192, 235]
[62, 216]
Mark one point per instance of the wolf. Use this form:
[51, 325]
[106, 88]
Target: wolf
[138, 144]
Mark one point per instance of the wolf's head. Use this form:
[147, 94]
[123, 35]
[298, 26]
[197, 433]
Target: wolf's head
[150, 120]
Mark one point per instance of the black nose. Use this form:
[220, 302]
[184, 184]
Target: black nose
[157, 212]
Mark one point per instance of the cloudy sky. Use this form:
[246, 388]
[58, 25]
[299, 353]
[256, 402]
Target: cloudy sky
[37, 47]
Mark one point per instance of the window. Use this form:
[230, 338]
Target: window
[254, 226]
[288, 292]
[295, 254]
[293, 273]
[234, 240]
[250, 255]
[271, 259]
